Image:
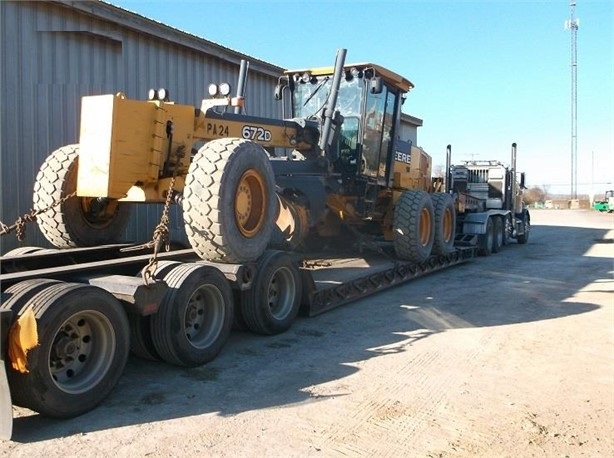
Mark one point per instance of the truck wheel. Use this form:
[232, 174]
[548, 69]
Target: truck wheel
[413, 228]
[444, 222]
[229, 201]
[526, 223]
[486, 240]
[507, 229]
[195, 318]
[79, 221]
[141, 342]
[271, 305]
[83, 349]
[497, 240]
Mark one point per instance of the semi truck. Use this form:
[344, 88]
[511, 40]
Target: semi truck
[322, 207]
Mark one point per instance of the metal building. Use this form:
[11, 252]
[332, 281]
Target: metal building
[54, 52]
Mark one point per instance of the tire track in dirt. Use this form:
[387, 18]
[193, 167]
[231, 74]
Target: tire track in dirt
[393, 413]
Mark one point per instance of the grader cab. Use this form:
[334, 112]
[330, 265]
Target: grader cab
[337, 161]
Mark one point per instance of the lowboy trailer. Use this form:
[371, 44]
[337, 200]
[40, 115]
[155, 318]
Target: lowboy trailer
[92, 309]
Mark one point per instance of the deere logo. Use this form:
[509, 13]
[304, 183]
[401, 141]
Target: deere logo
[402, 157]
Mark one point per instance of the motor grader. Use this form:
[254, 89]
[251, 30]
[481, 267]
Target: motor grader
[336, 164]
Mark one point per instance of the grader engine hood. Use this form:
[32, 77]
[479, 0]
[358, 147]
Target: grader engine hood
[125, 143]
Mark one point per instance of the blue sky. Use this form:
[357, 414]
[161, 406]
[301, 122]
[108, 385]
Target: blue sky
[487, 73]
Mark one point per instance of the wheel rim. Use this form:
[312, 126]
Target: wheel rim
[425, 227]
[250, 203]
[82, 352]
[204, 316]
[448, 228]
[281, 293]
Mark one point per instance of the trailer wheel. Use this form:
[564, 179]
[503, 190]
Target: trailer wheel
[229, 201]
[445, 223]
[141, 341]
[195, 318]
[238, 322]
[497, 240]
[413, 227]
[271, 305]
[83, 348]
[78, 221]
[16, 296]
[526, 223]
[486, 240]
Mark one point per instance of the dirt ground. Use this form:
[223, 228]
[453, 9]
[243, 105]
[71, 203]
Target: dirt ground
[509, 355]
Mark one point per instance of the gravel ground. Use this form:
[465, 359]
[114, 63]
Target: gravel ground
[509, 355]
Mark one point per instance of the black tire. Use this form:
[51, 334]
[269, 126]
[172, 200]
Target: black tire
[444, 222]
[485, 241]
[78, 221]
[271, 305]
[507, 229]
[413, 227]
[141, 341]
[83, 349]
[195, 318]
[526, 222]
[16, 296]
[229, 201]
[238, 322]
[497, 240]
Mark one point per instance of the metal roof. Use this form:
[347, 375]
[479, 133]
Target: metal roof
[129, 19]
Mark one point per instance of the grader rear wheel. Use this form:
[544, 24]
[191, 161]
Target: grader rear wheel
[78, 221]
[413, 226]
[229, 202]
[445, 223]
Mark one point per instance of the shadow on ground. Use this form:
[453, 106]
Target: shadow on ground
[522, 284]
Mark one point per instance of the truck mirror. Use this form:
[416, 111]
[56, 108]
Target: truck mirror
[376, 85]
[522, 186]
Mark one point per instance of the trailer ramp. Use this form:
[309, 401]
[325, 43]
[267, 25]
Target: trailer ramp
[329, 282]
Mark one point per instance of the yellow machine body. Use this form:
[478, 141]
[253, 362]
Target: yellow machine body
[124, 143]
[130, 149]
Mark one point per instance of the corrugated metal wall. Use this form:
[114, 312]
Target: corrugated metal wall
[52, 54]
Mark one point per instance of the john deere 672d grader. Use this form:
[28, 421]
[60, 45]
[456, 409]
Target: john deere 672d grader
[335, 167]
[336, 163]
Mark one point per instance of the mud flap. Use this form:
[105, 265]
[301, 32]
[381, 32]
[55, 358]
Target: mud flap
[6, 409]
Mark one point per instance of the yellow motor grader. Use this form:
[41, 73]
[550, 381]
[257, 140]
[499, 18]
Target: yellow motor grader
[335, 164]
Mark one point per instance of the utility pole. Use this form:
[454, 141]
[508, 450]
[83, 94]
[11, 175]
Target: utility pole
[572, 24]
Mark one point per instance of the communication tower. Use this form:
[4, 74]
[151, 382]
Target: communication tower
[572, 24]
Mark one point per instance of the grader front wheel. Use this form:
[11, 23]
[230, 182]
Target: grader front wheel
[76, 221]
[229, 202]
